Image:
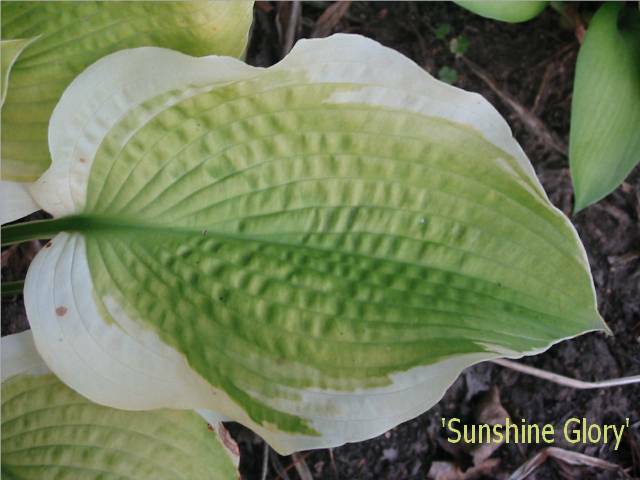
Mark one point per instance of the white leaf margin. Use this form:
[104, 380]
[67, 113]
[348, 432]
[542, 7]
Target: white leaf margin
[118, 362]
[104, 92]
[18, 198]
[20, 357]
[16, 201]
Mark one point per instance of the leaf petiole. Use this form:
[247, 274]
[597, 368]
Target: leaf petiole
[35, 230]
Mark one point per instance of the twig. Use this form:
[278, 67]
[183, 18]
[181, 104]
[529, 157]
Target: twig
[330, 18]
[573, 15]
[28, 252]
[292, 27]
[531, 121]
[566, 381]
[566, 50]
[264, 6]
[265, 462]
[566, 456]
[634, 448]
[280, 471]
[542, 91]
[6, 255]
[296, 458]
[333, 465]
[301, 467]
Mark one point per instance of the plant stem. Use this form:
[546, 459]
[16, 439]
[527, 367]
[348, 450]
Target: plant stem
[265, 462]
[12, 288]
[566, 381]
[36, 230]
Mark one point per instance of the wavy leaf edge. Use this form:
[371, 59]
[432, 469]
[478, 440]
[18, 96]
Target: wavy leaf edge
[63, 189]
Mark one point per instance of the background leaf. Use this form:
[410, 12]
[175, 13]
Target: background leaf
[49, 431]
[505, 10]
[442, 30]
[73, 35]
[316, 249]
[605, 110]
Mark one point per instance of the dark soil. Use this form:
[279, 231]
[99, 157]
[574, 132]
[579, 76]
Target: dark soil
[532, 63]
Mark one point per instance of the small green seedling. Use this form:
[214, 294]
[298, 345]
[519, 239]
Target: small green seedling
[459, 45]
[448, 75]
[442, 31]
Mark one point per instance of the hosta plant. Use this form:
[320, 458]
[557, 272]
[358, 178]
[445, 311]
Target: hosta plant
[46, 44]
[605, 110]
[512, 11]
[49, 431]
[315, 250]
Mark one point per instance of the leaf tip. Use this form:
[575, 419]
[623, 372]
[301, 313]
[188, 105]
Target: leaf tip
[582, 199]
[579, 205]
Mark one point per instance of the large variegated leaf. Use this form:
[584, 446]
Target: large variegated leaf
[512, 11]
[46, 44]
[316, 249]
[51, 432]
[605, 110]
[9, 52]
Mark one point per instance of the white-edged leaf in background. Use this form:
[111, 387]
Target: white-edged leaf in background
[46, 44]
[505, 10]
[51, 432]
[605, 110]
[316, 249]
[15, 201]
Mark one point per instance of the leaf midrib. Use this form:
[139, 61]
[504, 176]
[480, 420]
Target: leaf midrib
[98, 223]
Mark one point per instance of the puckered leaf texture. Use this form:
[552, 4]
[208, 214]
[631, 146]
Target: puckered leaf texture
[51, 432]
[316, 249]
[63, 38]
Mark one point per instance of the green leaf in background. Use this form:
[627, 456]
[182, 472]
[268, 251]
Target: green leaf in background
[448, 75]
[459, 45]
[51, 432]
[504, 10]
[316, 249]
[73, 35]
[605, 110]
[443, 30]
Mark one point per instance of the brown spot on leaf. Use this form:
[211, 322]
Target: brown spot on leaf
[83, 160]
[61, 311]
